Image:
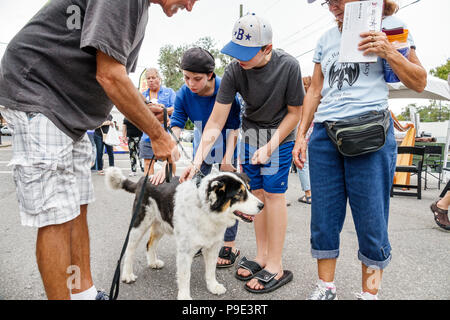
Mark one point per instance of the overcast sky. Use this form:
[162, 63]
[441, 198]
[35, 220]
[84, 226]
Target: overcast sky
[296, 27]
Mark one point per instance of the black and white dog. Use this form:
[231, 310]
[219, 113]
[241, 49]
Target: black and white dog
[197, 214]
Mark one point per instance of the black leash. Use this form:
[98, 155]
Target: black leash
[114, 291]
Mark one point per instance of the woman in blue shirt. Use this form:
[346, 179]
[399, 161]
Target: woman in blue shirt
[160, 96]
[339, 91]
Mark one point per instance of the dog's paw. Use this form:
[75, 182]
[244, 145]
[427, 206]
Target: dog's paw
[129, 278]
[217, 288]
[184, 296]
[157, 264]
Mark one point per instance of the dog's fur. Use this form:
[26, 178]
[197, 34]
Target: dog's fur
[196, 215]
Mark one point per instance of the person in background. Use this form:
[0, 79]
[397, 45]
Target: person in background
[337, 92]
[100, 145]
[303, 173]
[440, 211]
[133, 135]
[157, 96]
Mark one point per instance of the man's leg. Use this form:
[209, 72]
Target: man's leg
[53, 259]
[80, 250]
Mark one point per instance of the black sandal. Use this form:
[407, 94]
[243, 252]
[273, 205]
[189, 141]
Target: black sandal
[249, 265]
[228, 254]
[267, 279]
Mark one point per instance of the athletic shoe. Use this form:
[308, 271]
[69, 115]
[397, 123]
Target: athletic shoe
[366, 296]
[322, 292]
[101, 295]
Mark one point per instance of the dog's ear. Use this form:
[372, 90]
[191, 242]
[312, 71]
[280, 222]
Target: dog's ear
[244, 177]
[217, 185]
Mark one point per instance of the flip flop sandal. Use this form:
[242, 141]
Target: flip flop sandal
[249, 265]
[267, 279]
[228, 254]
[305, 199]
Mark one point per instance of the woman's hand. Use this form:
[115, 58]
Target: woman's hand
[376, 42]
[299, 152]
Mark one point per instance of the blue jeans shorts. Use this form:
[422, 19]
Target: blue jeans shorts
[272, 176]
[365, 181]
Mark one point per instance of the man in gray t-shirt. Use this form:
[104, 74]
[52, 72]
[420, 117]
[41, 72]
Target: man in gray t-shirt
[270, 83]
[59, 77]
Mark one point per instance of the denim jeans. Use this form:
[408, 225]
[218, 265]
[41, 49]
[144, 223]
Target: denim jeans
[303, 175]
[365, 181]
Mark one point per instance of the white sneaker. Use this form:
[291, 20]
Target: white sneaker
[322, 292]
[366, 296]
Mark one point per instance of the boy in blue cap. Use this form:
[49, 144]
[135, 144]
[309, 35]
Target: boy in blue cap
[270, 83]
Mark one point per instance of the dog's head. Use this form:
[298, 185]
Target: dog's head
[228, 194]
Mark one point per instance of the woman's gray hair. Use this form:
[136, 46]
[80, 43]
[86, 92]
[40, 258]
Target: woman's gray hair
[156, 71]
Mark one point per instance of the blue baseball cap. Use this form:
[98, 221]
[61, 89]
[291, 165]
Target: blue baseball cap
[250, 34]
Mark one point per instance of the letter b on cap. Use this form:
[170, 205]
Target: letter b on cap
[240, 34]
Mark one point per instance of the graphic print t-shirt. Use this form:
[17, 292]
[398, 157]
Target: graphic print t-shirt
[350, 89]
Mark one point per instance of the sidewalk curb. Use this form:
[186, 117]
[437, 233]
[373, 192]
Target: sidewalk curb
[5, 145]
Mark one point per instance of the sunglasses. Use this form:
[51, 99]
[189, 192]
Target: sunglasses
[331, 3]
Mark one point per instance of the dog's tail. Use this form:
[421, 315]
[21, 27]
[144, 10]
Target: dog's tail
[116, 180]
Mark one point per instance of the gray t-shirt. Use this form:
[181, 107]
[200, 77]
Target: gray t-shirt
[267, 92]
[50, 65]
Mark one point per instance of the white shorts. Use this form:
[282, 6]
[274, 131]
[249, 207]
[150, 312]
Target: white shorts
[51, 172]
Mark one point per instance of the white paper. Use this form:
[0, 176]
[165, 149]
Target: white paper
[359, 16]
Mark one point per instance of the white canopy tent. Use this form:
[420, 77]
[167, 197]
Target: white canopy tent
[436, 89]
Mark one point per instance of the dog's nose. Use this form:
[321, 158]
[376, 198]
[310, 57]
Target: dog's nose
[260, 206]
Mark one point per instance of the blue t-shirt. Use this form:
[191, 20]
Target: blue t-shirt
[198, 109]
[166, 97]
[350, 89]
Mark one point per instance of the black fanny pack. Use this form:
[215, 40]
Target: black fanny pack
[361, 134]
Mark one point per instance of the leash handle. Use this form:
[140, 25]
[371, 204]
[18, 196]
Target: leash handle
[169, 167]
[114, 291]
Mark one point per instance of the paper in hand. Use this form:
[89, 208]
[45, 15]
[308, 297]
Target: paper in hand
[359, 16]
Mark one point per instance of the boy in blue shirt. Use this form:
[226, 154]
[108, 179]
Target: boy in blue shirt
[195, 101]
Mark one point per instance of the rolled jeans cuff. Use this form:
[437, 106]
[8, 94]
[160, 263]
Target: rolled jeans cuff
[378, 265]
[325, 254]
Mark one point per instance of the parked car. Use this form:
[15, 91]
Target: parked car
[5, 130]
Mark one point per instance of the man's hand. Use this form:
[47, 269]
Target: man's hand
[165, 148]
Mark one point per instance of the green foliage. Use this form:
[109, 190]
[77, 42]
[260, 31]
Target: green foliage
[434, 112]
[441, 71]
[170, 60]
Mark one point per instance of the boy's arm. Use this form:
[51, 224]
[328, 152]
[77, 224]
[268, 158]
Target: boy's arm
[211, 132]
[227, 161]
[290, 121]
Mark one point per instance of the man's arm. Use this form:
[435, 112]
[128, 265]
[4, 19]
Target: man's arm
[114, 79]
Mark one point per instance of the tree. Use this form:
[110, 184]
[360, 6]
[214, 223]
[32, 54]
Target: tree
[441, 71]
[170, 61]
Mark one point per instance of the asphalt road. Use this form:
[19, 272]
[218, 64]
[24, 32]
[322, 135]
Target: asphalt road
[419, 268]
